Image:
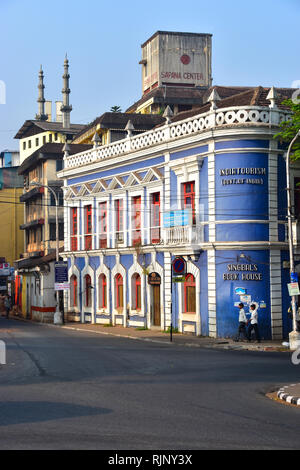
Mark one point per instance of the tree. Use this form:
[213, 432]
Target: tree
[115, 109]
[290, 128]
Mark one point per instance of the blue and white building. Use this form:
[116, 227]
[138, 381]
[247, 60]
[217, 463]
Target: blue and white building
[219, 164]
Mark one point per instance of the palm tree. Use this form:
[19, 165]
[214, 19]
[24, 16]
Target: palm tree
[115, 109]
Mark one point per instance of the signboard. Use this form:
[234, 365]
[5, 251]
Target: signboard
[62, 286]
[177, 218]
[294, 277]
[240, 290]
[178, 266]
[245, 299]
[293, 288]
[61, 276]
[154, 279]
[178, 278]
[4, 269]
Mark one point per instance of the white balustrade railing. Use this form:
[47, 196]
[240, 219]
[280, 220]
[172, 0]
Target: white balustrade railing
[193, 125]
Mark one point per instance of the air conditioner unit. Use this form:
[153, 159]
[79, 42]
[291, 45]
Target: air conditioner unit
[120, 237]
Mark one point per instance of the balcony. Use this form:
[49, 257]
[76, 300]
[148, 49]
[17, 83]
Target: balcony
[183, 235]
[35, 192]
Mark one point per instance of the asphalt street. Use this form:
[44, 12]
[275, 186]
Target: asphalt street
[64, 389]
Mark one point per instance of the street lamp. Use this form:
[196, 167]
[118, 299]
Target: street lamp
[294, 336]
[58, 314]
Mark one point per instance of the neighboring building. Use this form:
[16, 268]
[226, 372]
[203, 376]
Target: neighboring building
[36, 133]
[176, 71]
[39, 227]
[41, 150]
[12, 215]
[9, 158]
[208, 186]
[112, 127]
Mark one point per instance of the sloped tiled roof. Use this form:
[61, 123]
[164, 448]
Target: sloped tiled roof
[255, 96]
[118, 121]
[48, 126]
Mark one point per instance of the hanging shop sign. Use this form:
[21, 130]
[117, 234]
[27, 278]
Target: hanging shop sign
[61, 276]
[154, 279]
[294, 277]
[293, 288]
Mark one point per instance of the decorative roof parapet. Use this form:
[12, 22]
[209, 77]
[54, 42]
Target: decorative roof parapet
[221, 117]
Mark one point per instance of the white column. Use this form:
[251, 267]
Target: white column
[211, 193]
[275, 294]
[167, 290]
[212, 300]
[273, 194]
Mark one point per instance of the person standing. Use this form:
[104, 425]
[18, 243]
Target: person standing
[242, 323]
[7, 305]
[253, 323]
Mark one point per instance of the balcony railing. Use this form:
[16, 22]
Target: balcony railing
[185, 235]
[187, 127]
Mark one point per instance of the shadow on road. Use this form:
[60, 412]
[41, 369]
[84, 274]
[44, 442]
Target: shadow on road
[33, 412]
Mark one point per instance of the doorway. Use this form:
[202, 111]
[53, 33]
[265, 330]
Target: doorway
[156, 305]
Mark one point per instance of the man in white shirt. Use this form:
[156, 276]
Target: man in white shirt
[242, 323]
[253, 323]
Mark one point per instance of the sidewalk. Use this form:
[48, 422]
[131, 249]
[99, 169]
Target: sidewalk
[178, 339]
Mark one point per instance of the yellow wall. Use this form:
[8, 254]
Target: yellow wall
[35, 146]
[11, 217]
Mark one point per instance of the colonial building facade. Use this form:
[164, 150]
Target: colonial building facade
[208, 186]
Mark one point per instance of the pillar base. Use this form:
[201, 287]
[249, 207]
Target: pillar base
[294, 338]
[58, 318]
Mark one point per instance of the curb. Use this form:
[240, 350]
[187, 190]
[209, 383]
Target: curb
[225, 345]
[282, 395]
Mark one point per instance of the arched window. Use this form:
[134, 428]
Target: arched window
[73, 291]
[102, 291]
[136, 292]
[88, 290]
[189, 294]
[119, 291]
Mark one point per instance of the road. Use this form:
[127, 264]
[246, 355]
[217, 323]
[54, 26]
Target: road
[63, 389]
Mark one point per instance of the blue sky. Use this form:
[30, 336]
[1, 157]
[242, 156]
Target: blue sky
[254, 43]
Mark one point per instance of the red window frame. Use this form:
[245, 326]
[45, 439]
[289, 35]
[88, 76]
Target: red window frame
[88, 293]
[102, 291]
[189, 282]
[136, 219]
[189, 198]
[103, 224]
[155, 218]
[74, 285]
[119, 215]
[74, 228]
[119, 283]
[88, 227]
[138, 291]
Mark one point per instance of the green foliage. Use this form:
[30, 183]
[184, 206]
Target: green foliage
[290, 128]
[115, 109]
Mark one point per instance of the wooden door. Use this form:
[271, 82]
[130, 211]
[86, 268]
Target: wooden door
[156, 305]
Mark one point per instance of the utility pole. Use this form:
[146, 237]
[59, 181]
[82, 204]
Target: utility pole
[294, 336]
